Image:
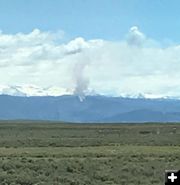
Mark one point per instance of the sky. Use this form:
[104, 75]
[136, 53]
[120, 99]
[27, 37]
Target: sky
[106, 19]
[87, 46]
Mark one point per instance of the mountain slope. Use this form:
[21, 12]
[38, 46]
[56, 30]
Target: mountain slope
[92, 109]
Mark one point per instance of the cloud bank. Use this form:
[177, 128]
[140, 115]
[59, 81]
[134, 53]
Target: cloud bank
[135, 65]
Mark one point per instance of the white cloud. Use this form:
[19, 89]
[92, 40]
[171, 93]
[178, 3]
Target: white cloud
[137, 64]
[135, 37]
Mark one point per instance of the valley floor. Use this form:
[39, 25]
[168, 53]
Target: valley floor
[34, 153]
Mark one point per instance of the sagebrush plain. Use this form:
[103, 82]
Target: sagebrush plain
[49, 153]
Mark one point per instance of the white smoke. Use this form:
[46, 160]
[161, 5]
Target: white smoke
[81, 51]
[81, 81]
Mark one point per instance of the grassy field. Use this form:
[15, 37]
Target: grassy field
[34, 153]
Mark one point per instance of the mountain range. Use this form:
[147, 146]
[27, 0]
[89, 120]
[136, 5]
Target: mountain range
[94, 108]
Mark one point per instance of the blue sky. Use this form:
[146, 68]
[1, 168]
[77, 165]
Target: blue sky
[106, 19]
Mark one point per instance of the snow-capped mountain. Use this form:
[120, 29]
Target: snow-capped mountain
[32, 90]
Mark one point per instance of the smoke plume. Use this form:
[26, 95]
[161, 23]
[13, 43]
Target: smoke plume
[81, 81]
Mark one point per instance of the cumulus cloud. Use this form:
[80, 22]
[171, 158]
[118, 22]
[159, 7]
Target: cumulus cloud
[76, 46]
[135, 36]
[136, 64]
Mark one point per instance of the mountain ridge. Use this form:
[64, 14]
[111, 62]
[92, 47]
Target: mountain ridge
[93, 109]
